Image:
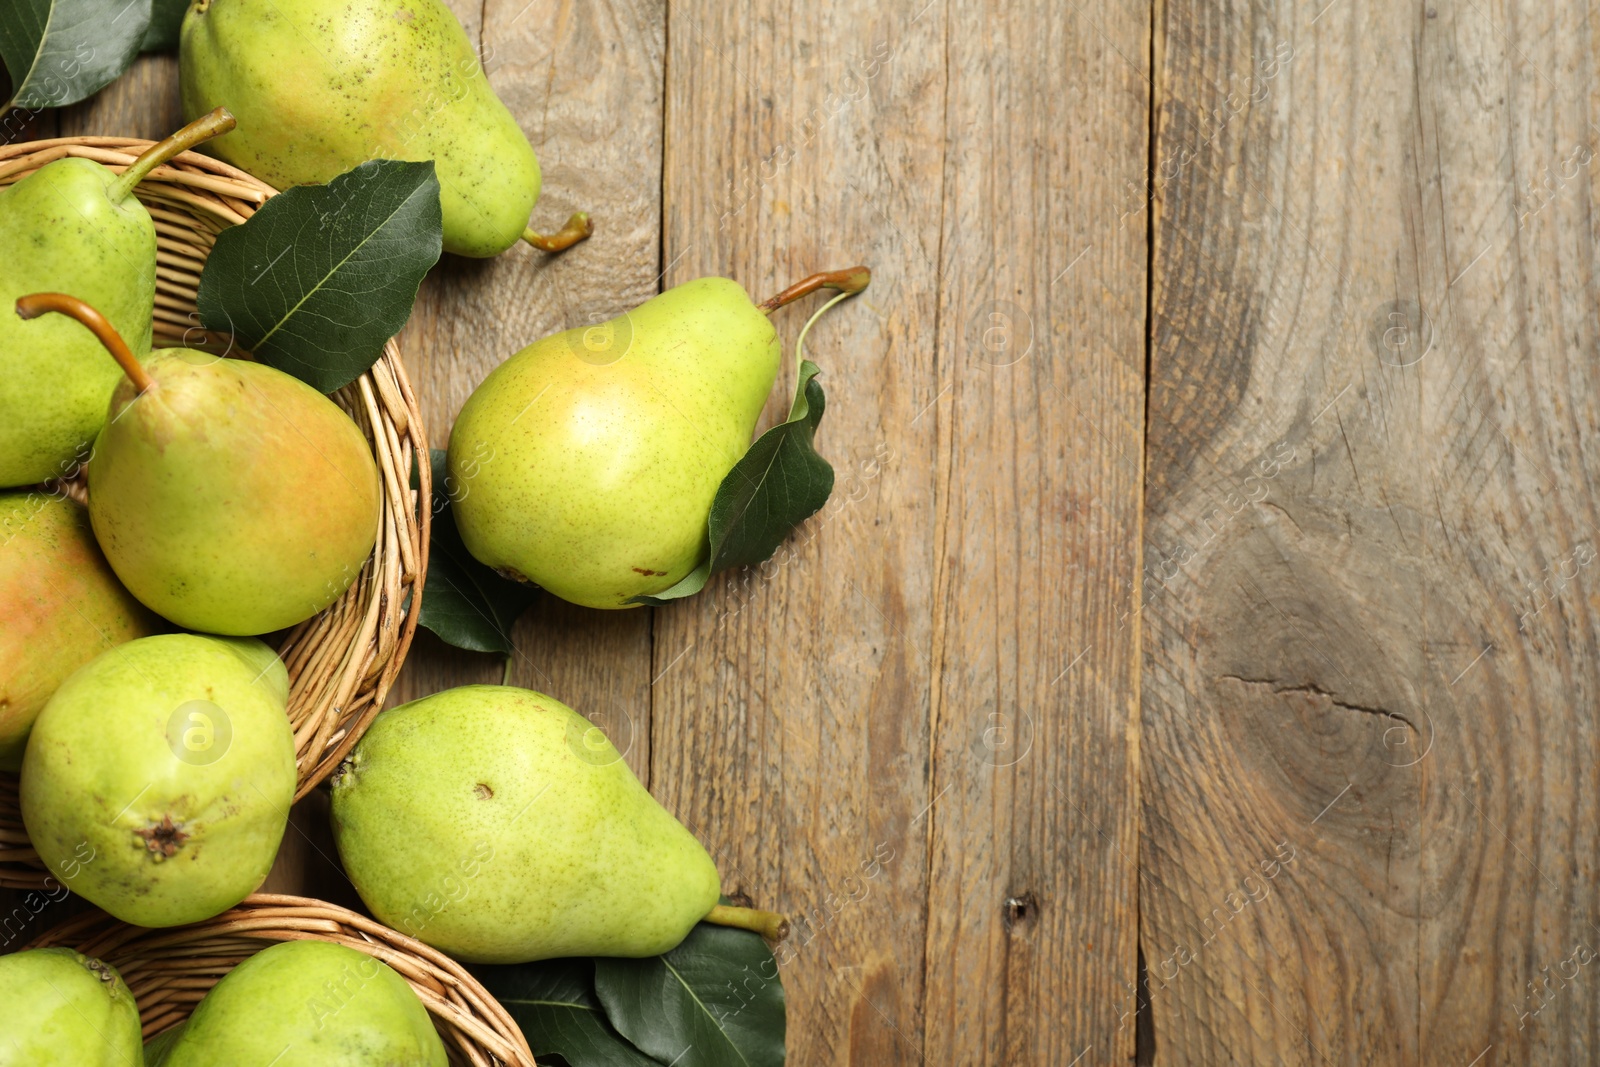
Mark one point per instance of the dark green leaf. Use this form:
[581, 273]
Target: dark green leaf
[465, 603]
[714, 1001]
[58, 52]
[166, 18]
[775, 487]
[554, 1004]
[323, 275]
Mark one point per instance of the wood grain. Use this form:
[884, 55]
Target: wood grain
[847, 725]
[1369, 792]
[1032, 913]
[1365, 584]
[790, 717]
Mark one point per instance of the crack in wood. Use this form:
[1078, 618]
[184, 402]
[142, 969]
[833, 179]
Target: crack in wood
[1313, 688]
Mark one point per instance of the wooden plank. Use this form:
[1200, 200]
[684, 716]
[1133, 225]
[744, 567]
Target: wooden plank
[790, 715]
[142, 103]
[597, 128]
[817, 715]
[1032, 909]
[1368, 711]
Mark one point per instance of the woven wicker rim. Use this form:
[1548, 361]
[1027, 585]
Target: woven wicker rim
[170, 970]
[341, 662]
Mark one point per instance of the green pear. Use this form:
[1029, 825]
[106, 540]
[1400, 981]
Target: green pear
[309, 1004]
[60, 1007]
[158, 779]
[321, 87]
[497, 825]
[228, 496]
[156, 1049]
[587, 462]
[61, 604]
[74, 226]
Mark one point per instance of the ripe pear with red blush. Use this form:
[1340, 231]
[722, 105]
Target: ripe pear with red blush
[61, 604]
[228, 496]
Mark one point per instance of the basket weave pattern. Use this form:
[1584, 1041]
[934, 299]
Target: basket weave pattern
[342, 662]
[169, 971]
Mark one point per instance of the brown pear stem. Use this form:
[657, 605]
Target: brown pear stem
[36, 304]
[849, 280]
[578, 228]
[197, 132]
[769, 925]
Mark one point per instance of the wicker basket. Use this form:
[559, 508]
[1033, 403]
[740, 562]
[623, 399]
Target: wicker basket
[342, 662]
[170, 970]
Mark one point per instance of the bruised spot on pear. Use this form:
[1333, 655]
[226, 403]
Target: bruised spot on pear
[164, 839]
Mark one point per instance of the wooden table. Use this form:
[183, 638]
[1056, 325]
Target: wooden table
[1199, 650]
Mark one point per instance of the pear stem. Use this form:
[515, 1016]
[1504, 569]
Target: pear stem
[847, 281]
[771, 926]
[505, 677]
[200, 130]
[36, 304]
[578, 228]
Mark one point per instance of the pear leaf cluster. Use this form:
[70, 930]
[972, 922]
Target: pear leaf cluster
[58, 52]
[774, 487]
[714, 1001]
[465, 603]
[555, 1006]
[322, 276]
